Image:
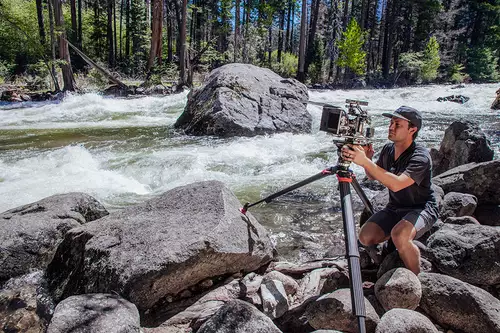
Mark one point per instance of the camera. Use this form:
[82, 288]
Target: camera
[351, 126]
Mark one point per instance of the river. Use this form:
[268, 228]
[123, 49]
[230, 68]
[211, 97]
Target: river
[125, 151]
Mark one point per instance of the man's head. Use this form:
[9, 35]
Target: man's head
[405, 124]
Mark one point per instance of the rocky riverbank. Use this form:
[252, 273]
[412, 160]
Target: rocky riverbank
[189, 261]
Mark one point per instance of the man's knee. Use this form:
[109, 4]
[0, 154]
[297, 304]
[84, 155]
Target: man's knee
[403, 233]
[371, 234]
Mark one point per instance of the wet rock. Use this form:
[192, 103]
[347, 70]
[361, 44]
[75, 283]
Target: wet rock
[458, 305]
[464, 142]
[161, 247]
[30, 234]
[405, 321]
[458, 204]
[238, 317]
[467, 252]
[398, 288]
[460, 99]
[334, 311]
[478, 179]
[96, 313]
[245, 100]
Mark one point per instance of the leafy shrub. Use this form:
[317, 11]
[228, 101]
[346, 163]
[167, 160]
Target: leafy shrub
[456, 73]
[482, 64]
[288, 65]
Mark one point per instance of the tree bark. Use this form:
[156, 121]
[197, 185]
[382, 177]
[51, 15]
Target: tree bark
[156, 34]
[127, 24]
[74, 27]
[280, 34]
[169, 39]
[302, 44]
[121, 30]
[109, 35]
[312, 34]
[67, 72]
[53, 46]
[80, 34]
[236, 30]
[41, 26]
[115, 31]
[182, 55]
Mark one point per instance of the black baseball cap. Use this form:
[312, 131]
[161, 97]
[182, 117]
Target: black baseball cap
[407, 113]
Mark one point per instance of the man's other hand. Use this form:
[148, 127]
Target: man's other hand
[369, 152]
[354, 153]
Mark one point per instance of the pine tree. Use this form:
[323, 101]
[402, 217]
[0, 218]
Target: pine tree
[431, 60]
[350, 46]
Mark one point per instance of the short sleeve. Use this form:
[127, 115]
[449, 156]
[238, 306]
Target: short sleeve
[417, 167]
[383, 157]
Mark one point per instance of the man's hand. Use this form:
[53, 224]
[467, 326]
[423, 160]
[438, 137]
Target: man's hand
[355, 154]
[369, 152]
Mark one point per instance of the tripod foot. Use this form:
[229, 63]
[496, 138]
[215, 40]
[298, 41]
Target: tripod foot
[244, 209]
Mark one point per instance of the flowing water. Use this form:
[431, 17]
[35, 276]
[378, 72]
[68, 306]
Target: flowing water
[125, 151]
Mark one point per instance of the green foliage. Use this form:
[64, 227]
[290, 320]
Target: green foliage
[456, 73]
[431, 60]
[482, 64]
[97, 79]
[316, 67]
[288, 65]
[411, 64]
[5, 71]
[351, 54]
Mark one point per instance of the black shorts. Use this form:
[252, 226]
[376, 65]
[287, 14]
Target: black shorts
[387, 218]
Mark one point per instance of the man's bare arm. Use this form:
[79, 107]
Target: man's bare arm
[391, 181]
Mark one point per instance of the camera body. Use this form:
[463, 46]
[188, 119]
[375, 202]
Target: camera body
[351, 126]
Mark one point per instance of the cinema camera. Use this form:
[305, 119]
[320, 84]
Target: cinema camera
[352, 126]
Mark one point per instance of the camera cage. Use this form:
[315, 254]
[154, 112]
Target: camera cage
[351, 126]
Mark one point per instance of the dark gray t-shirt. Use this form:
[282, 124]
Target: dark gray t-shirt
[416, 163]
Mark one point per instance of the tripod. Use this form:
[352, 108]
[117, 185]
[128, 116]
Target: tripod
[345, 177]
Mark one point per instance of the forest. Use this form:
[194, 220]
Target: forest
[51, 44]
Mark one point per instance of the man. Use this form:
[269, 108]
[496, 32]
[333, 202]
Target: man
[405, 168]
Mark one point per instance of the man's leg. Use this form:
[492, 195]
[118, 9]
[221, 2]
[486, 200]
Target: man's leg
[371, 234]
[402, 235]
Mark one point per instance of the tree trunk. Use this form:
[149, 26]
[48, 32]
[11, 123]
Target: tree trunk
[121, 30]
[115, 31]
[287, 33]
[270, 44]
[280, 34]
[312, 34]
[127, 25]
[182, 55]
[53, 46]
[170, 38]
[80, 33]
[247, 23]
[302, 44]
[156, 34]
[41, 26]
[74, 28]
[67, 72]
[335, 24]
[109, 35]
[236, 30]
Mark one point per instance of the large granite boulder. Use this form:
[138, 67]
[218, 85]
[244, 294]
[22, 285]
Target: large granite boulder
[478, 179]
[467, 252]
[457, 205]
[458, 305]
[405, 321]
[245, 100]
[156, 250]
[334, 311]
[30, 234]
[238, 317]
[96, 313]
[398, 288]
[464, 142]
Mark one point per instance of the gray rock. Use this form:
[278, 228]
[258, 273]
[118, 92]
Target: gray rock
[398, 288]
[405, 321]
[467, 252]
[488, 215]
[25, 305]
[274, 298]
[291, 286]
[30, 234]
[251, 286]
[461, 220]
[245, 100]
[334, 311]
[458, 204]
[458, 305]
[464, 142]
[161, 247]
[238, 317]
[478, 179]
[392, 260]
[96, 313]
